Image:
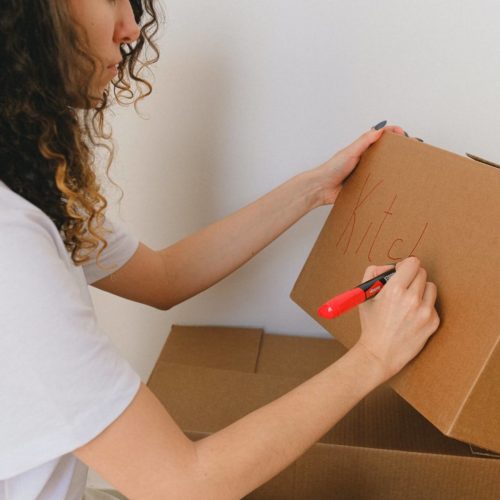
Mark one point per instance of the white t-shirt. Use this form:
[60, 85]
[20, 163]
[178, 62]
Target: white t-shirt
[62, 382]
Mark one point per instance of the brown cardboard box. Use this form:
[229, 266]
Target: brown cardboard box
[208, 377]
[408, 198]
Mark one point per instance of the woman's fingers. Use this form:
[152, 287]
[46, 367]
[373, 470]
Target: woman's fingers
[428, 310]
[430, 295]
[372, 271]
[361, 144]
[400, 320]
[406, 271]
[419, 283]
[409, 275]
[395, 129]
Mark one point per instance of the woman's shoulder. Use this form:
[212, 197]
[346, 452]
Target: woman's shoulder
[22, 221]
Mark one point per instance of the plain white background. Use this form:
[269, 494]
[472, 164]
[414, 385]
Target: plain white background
[248, 93]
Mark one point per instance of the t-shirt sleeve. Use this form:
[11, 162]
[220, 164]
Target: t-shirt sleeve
[121, 245]
[62, 381]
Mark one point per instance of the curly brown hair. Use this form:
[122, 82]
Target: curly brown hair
[50, 125]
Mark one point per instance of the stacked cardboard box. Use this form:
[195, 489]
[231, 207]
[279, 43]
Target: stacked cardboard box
[408, 198]
[208, 377]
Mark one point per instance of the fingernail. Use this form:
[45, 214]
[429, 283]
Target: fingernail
[421, 140]
[406, 133]
[380, 125]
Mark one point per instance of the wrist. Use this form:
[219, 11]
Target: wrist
[375, 369]
[312, 187]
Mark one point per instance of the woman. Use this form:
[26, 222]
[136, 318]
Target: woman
[68, 400]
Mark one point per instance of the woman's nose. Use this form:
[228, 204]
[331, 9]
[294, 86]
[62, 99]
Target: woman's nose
[126, 29]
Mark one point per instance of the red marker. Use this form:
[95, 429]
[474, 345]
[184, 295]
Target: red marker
[352, 298]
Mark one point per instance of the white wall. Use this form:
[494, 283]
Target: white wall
[250, 92]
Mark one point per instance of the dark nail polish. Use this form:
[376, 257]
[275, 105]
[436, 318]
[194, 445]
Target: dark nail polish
[421, 140]
[380, 125]
[406, 133]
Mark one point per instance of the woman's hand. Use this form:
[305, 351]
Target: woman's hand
[331, 174]
[396, 324]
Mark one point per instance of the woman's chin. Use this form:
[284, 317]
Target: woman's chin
[94, 100]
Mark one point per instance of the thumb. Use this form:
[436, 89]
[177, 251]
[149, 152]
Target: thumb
[372, 271]
[363, 142]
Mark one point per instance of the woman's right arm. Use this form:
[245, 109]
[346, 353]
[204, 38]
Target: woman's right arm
[145, 455]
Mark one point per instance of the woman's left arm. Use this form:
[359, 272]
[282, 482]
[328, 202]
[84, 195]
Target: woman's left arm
[169, 276]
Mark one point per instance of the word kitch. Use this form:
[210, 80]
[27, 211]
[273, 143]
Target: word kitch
[358, 235]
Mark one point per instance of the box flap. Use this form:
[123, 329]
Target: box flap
[297, 356]
[407, 198]
[213, 346]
